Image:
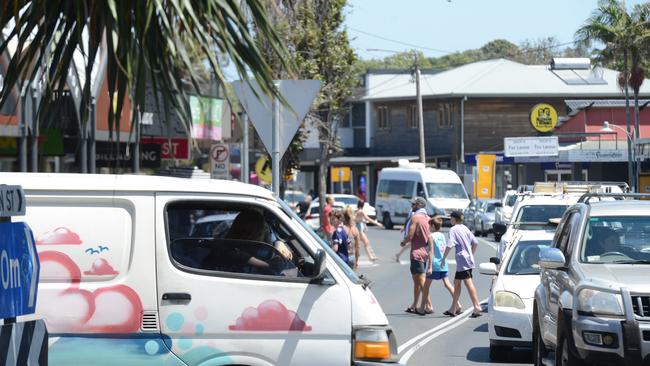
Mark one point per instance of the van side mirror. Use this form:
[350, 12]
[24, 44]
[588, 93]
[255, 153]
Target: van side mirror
[551, 258]
[499, 228]
[488, 269]
[495, 260]
[319, 264]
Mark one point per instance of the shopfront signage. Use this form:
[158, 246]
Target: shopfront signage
[531, 146]
[543, 117]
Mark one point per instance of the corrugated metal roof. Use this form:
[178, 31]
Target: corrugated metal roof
[492, 78]
[576, 105]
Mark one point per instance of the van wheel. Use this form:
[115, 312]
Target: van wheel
[387, 222]
[499, 353]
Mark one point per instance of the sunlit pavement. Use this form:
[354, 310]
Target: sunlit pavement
[432, 339]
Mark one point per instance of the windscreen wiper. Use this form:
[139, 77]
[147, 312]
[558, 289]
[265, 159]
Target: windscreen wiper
[632, 261]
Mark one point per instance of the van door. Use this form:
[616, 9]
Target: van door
[227, 296]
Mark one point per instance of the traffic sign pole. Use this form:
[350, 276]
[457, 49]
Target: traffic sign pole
[275, 145]
[244, 149]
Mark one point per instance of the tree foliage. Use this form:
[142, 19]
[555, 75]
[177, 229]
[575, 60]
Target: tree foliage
[530, 52]
[145, 39]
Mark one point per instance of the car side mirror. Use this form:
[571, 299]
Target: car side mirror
[488, 269]
[551, 258]
[499, 228]
[319, 263]
[495, 260]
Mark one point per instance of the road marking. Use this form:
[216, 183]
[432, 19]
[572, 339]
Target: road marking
[422, 339]
[485, 241]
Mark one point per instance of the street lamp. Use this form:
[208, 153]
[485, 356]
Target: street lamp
[631, 156]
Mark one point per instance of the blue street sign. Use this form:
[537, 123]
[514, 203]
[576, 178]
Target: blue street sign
[19, 269]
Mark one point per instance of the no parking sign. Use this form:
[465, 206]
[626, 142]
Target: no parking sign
[220, 161]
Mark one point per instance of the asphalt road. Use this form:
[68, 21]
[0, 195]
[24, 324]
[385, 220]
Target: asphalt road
[432, 339]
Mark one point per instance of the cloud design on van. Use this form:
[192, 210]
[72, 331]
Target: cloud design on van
[271, 315]
[101, 267]
[59, 236]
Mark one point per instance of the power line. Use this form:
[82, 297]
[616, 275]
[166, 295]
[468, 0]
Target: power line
[400, 42]
[536, 49]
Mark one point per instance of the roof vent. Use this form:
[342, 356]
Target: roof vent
[150, 321]
[561, 63]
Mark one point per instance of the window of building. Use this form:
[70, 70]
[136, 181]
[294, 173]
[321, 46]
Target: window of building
[382, 118]
[413, 117]
[446, 116]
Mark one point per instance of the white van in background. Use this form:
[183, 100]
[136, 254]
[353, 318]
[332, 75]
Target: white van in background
[144, 270]
[442, 188]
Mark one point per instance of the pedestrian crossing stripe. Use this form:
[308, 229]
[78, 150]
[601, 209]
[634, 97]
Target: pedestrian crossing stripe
[23, 343]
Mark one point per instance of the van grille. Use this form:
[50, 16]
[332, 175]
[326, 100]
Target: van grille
[150, 321]
[641, 305]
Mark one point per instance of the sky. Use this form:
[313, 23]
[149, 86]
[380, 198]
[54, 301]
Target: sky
[439, 27]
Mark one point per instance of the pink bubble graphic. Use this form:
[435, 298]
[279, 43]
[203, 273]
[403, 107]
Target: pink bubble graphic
[201, 313]
[271, 315]
[101, 267]
[59, 236]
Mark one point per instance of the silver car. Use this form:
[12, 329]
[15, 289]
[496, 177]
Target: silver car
[593, 303]
[484, 216]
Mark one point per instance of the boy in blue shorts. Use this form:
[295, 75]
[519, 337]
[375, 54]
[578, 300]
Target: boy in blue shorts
[439, 272]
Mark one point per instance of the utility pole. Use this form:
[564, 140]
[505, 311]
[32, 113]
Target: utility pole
[418, 96]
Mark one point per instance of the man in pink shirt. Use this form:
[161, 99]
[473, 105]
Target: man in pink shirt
[418, 236]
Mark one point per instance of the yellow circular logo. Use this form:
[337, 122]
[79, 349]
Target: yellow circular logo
[263, 169]
[543, 117]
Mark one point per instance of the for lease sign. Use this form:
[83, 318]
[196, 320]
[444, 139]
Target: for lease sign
[531, 146]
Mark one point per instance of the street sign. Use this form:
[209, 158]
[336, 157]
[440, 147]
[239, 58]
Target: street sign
[12, 201]
[219, 161]
[263, 169]
[19, 269]
[298, 93]
[531, 146]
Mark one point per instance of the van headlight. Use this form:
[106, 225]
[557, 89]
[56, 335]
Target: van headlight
[599, 302]
[375, 343]
[508, 299]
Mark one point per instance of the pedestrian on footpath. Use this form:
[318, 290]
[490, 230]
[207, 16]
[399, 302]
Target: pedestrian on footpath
[439, 272]
[420, 211]
[419, 237]
[461, 238]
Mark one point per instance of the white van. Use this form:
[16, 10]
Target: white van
[442, 188]
[126, 277]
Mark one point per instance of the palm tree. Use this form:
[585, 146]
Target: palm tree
[625, 39]
[145, 40]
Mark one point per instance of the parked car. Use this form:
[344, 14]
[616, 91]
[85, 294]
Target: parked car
[510, 305]
[469, 213]
[293, 198]
[484, 216]
[313, 214]
[503, 212]
[593, 303]
[352, 201]
[124, 282]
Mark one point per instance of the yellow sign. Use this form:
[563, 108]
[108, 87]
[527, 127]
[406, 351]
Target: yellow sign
[340, 174]
[263, 169]
[485, 166]
[543, 117]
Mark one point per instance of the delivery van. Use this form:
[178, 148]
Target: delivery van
[442, 188]
[130, 276]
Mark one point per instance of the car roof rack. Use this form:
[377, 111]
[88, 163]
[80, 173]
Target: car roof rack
[585, 198]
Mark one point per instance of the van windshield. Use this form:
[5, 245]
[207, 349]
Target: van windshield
[446, 190]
